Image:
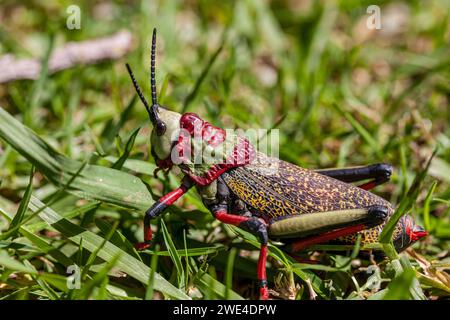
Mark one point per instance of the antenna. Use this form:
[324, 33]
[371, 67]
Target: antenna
[140, 94]
[152, 111]
[138, 89]
[152, 70]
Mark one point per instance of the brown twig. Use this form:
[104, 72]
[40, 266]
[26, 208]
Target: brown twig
[67, 56]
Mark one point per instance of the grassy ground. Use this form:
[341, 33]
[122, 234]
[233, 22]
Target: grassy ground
[340, 94]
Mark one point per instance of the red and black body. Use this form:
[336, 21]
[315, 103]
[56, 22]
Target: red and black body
[270, 198]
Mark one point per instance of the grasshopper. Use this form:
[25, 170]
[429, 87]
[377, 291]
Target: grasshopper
[295, 206]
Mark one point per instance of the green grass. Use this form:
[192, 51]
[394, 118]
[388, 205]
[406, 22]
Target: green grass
[76, 171]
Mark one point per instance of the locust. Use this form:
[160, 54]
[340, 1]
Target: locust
[272, 199]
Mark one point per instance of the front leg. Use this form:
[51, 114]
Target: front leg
[158, 207]
[257, 228]
[219, 206]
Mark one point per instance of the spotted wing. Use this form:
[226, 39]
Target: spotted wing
[278, 189]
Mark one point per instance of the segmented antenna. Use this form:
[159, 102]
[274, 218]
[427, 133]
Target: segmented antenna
[152, 70]
[139, 92]
[152, 111]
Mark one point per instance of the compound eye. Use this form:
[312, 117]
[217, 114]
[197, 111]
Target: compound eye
[160, 128]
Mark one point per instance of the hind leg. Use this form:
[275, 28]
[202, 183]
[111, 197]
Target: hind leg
[379, 173]
[346, 222]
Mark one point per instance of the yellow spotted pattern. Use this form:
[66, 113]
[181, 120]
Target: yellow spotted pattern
[371, 235]
[277, 189]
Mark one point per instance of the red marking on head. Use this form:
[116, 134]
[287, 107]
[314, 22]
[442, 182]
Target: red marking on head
[192, 127]
[183, 145]
[191, 122]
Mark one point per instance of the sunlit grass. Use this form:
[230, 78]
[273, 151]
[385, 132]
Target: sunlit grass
[340, 94]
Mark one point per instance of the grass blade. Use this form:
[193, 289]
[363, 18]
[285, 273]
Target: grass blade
[207, 283]
[91, 241]
[151, 279]
[229, 272]
[202, 77]
[405, 204]
[398, 288]
[94, 253]
[426, 207]
[174, 255]
[38, 86]
[11, 263]
[359, 128]
[126, 153]
[97, 279]
[94, 182]
[17, 220]
[42, 244]
[111, 129]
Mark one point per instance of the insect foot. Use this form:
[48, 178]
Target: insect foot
[142, 245]
[382, 171]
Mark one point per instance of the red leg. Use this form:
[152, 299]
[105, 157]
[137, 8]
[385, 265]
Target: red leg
[258, 228]
[262, 277]
[158, 208]
[228, 218]
[309, 241]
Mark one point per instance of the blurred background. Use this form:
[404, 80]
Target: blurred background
[341, 91]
